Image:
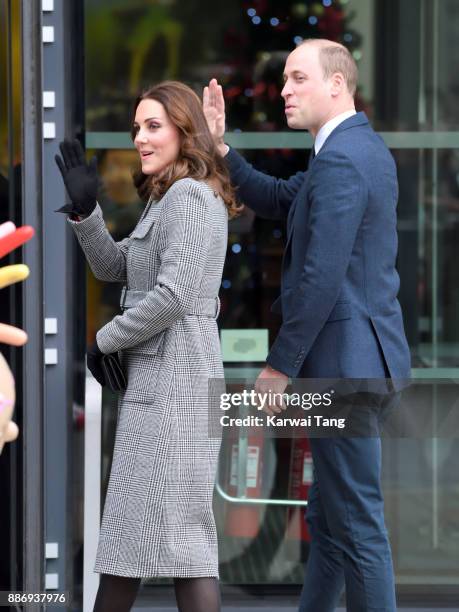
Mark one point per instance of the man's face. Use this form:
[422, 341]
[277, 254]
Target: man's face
[307, 95]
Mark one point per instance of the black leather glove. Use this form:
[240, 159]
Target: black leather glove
[93, 358]
[80, 178]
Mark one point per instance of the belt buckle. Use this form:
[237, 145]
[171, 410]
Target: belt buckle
[123, 297]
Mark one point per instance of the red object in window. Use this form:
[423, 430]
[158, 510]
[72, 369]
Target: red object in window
[301, 477]
[243, 520]
[15, 239]
[331, 24]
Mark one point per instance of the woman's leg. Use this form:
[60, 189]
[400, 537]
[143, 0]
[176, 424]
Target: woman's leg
[116, 593]
[197, 594]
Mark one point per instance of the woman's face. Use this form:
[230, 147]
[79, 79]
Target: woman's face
[156, 139]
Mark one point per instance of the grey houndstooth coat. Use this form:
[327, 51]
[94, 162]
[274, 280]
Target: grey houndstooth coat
[158, 518]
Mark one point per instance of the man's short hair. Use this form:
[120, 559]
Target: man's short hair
[335, 57]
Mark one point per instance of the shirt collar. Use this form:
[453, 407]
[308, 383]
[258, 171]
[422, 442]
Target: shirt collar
[328, 128]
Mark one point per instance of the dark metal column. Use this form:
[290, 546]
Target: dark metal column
[64, 300]
[33, 389]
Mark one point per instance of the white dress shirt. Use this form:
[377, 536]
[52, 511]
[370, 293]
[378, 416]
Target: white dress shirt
[328, 128]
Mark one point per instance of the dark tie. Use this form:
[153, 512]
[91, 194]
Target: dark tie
[311, 156]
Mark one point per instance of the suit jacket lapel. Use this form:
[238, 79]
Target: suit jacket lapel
[300, 200]
[291, 212]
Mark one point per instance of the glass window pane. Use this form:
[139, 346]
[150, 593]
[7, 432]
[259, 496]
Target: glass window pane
[405, 78]
[405, 51]
[427, 225]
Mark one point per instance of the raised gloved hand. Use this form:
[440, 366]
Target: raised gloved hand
[93, 358]
[80, 178]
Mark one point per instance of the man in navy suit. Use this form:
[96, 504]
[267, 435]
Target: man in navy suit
[340, 315]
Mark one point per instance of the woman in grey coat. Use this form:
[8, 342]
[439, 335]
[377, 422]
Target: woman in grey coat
[158, 518]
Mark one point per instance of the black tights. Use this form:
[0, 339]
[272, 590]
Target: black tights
[118, 593]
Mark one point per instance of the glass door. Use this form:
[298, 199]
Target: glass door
[406, 51]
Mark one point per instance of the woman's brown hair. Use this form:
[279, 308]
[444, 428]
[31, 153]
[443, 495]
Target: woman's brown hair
[198, 158]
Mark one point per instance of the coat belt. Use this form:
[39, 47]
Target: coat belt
[205, 307]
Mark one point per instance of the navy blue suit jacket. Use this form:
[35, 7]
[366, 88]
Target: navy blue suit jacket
[340, 313]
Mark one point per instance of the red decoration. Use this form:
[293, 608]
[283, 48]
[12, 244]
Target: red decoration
[331, 24]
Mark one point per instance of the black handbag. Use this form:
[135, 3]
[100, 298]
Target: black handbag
[114, 376]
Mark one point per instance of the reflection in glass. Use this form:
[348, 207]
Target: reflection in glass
[428, 215]
[406, 83]
[121, 208]
[133, 44]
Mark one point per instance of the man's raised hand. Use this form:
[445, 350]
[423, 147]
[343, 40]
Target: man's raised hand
[214, 111]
